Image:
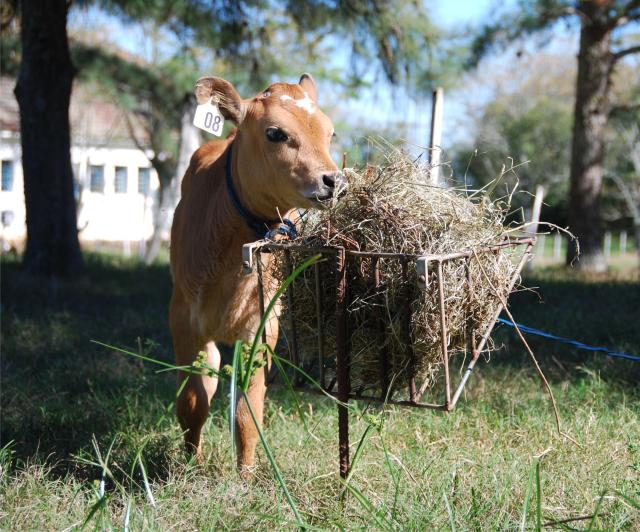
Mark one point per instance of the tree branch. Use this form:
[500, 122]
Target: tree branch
[132, 134]
[618, 110]
[626, 16]
[616, 56]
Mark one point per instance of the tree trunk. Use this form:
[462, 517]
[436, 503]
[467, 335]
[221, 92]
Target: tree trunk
[591, 114]
[169, 192]
[43, 92]
[160, 209]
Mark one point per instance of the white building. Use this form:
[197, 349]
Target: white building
[115, 184]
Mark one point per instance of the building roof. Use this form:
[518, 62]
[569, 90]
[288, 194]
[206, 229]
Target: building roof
[94, 121]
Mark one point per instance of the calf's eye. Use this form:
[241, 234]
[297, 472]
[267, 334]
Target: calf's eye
[275, 134]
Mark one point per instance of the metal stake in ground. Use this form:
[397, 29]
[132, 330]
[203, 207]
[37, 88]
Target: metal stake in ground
[342, 361]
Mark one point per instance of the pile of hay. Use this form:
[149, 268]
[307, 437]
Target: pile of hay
[391, 208]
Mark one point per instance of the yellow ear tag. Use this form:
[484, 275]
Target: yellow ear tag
[209, 118]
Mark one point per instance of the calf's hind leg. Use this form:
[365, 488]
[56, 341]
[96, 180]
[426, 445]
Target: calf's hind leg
[192, 404]
[195, 398]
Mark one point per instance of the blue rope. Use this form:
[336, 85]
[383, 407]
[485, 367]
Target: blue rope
[257, 225]
[574, 343]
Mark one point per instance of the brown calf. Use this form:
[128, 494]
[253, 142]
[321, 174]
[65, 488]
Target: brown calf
[277, 160]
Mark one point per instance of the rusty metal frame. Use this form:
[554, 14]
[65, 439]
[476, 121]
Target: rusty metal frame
[427, 267]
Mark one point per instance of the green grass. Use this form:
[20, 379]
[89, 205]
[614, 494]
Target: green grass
[475, 468]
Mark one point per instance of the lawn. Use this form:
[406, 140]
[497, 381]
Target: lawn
[66, 402]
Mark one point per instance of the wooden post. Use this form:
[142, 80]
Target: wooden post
[623, 242]
[435, 142]
[607, 244]
[532, 228]
[539, 249]
[557, 246]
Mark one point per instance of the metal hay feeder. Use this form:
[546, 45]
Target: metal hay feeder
[428, 269]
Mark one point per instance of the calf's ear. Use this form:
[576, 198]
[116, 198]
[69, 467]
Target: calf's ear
[308, 85]
[224, 95]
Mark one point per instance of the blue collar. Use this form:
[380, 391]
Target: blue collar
[260, 226]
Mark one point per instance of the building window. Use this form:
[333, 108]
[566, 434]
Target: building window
[121, 180]
[7, 218]
[7, 175]
[143, 180]
[97, 178]
[76, 181]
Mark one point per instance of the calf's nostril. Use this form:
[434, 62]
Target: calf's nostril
[329, 180]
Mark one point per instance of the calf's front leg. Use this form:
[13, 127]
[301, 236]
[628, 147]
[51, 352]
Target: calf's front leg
[246, 431]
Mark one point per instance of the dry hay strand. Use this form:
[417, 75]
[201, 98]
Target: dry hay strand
[391, 208]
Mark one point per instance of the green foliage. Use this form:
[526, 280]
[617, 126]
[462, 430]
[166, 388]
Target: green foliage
[529, 17]
[258, 40]
[526, 18]
[400, 35]
[530, 124]
[537, 137]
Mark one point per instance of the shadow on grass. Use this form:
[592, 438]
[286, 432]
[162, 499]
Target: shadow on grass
[59, 389]
[595, 310]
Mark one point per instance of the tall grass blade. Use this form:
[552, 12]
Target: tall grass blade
[631, 502]
[274, 465]
[527, 498]
[145, 479]
[538, 499]
[395, 475]
[127, 516]
[135, 355]
[358, 453]
[596, 512]
[381, 521]
[233, 391]
[452, 522]
[263, 322]
[312, 381]
[290, 389]
[100, 504]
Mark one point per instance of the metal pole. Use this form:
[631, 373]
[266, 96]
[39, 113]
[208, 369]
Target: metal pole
[435, 142]
[319, 320]
[406, 326]
[292, 321]
[342, 361]
[443, 335]
[260, 292]
[485, 337]
[383, 355]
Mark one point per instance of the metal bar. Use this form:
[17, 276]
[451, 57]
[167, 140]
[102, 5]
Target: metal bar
[443, 336]
[342, 361]
[373, 399]
[320, 321]
[383, 354]
[406, 326]
[469, 253]
[292, 322]
[270, 246]
[415, 404]
[492, 324]
[261, 293]
[471, 331]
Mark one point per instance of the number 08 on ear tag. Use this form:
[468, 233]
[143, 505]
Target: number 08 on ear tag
[208, 118]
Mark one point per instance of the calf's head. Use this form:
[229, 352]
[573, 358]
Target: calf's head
[282, 143]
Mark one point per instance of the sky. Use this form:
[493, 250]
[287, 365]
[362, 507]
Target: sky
[382, 106]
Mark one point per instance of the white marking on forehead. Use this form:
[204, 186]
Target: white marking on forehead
[305, 103]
